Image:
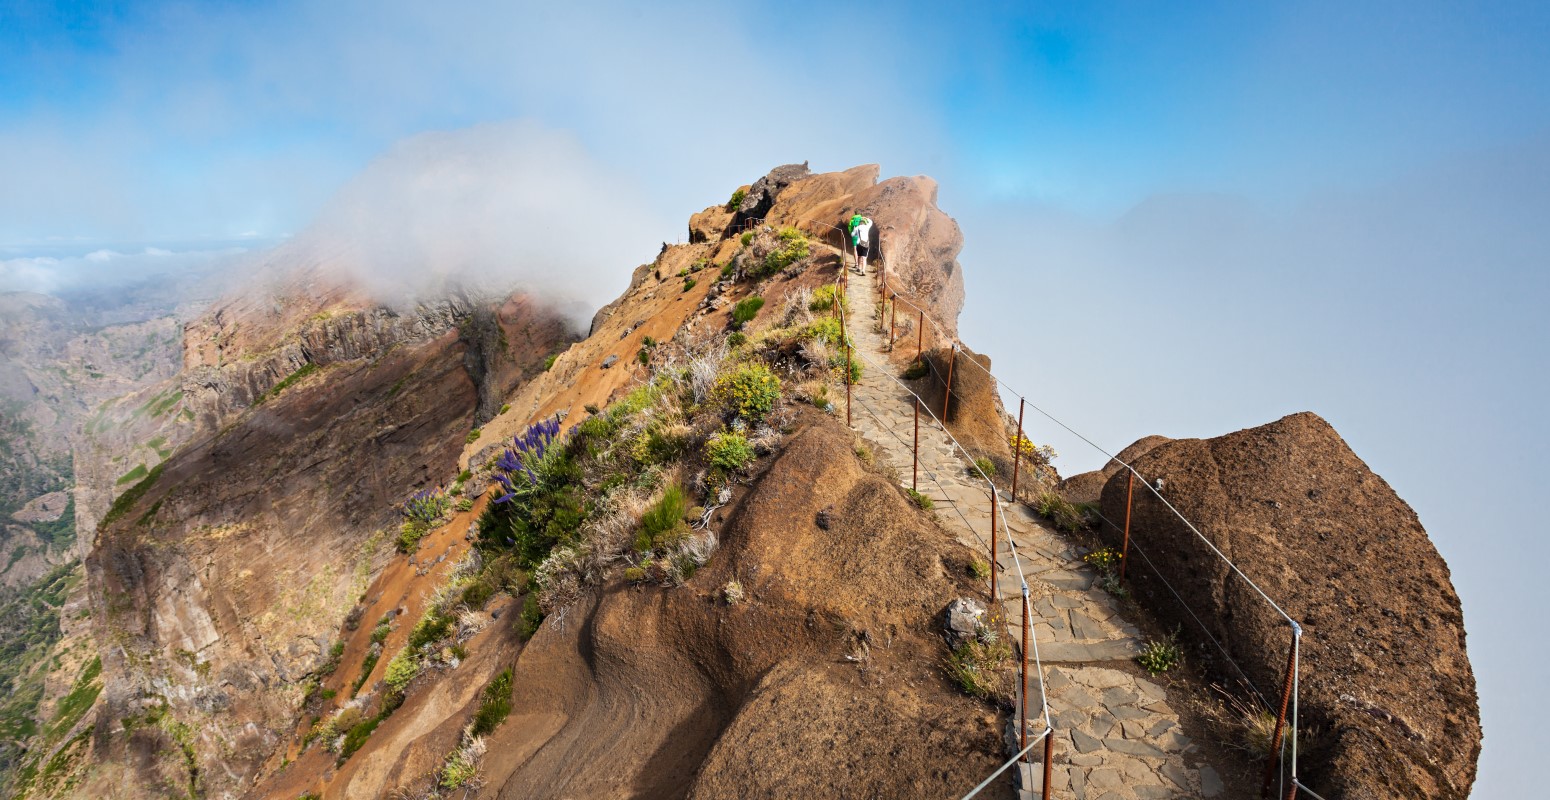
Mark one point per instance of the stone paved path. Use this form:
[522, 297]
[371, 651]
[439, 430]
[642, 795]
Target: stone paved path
[1116, 738]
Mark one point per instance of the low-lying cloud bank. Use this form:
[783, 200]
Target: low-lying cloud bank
[490, 209]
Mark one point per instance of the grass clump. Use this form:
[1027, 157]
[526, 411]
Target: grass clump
[916, 369]
[920, 499]
[549, 361]
[1161, 655]
[663, 523]
[976, 666]
[733, 593]
[746, 239]
[979, 569]
[473, 435]
[986, 466]
[729, 451]
[494, 704]
[746, 309]
[749, 391]
[690, 283]
[1062, 512]
[532, 616]
[737, 199]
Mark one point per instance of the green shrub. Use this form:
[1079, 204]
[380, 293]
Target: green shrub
[916, 369]
[532, 616]
[792, 247]
[473, 435]
[729, 450]
[465, 504]
[635, 574]
[825, 329]
[458, 771]
[985, 466]
[690, 284]
[410, 534]
[549, 361]
[356, 737]
[737, 200]
[979, 569]
[683, 273]
[384, 628]
[825, 296]
[433, 627]
[749, 391]
[737, 339]
[663, 523]
[494, 704]
[401, 670]
[920, 499]
[839, 361]
[478, 592]
[746, 309]
[746, 239]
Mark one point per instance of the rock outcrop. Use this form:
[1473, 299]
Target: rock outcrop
[1387, 692]
[1086, 487]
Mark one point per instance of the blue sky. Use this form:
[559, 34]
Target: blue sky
[1179, 220]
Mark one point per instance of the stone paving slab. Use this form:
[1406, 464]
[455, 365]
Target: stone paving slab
[1116, 738]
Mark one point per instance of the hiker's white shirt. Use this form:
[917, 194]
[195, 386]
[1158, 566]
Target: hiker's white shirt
[864, 232]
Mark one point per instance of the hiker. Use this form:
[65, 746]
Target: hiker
[860, 238]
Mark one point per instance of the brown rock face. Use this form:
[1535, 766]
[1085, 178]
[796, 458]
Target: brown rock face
[222, 585]
[1385, 679]
[915, 242]
[1088, 486]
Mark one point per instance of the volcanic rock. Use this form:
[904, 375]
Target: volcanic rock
[1385, 679]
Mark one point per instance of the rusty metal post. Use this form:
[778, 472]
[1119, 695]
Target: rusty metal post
[848, 362]
[845, 334]
[1291, 791]
[1049, 760]
[1124, 552]
[1017, 447]
[920, 333]
[893, 318]
[995, 590]
[915, 452]
[1286, 698]
[1022, 741]
[947, 394]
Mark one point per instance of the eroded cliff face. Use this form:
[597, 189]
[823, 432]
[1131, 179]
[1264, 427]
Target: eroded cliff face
[303, 415]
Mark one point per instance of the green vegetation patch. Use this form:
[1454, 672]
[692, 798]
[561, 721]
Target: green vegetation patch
[287, 382]
[746, 309]
[130, 497]
[74, 705]
[136, 474]
[494, 704]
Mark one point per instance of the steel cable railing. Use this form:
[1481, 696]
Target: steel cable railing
[1030, 643]
[1294, 661]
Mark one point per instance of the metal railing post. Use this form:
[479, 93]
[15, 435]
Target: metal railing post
[893, 318]
[995, 590]
[1124, 552]
[1286, 698]
[1049, 758]
[1022, 741]
[920, 333]
[1017, 447]
[915, 452]
[947, 395]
